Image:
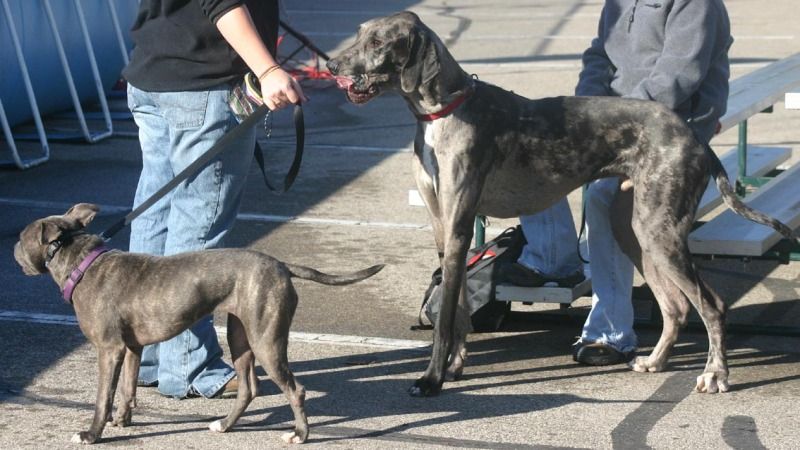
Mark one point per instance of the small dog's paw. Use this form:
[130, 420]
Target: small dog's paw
[292, 438]
[84, 437]
[711, 383]
[642, 364]
[217, 427]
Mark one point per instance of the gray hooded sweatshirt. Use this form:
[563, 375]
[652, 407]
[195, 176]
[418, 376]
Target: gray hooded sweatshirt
[672, 51]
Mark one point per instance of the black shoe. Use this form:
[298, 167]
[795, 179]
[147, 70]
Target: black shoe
[519, 275]
[599, 354]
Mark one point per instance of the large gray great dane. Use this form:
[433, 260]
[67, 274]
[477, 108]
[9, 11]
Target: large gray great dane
[480, 149]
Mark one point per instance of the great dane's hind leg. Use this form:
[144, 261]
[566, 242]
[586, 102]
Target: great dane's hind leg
[674, 308]
[673, 304]
[715, 376]
[669, 251]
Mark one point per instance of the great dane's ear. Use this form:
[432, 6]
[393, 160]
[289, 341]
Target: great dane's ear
[423, 62]
[82, 214]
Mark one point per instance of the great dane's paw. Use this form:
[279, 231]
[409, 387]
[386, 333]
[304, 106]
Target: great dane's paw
[217, 426]
[424, 388]
[454, 373]
[643, 364]
[84, 437]
[292, 438]
[711, 383]
[123, 419]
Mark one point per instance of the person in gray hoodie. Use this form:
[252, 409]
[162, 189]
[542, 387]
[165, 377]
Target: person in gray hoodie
[671, 51]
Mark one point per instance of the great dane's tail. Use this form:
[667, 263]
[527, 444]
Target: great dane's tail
[308, 273]
[738, 206]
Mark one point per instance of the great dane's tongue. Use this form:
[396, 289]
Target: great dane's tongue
[344, 82]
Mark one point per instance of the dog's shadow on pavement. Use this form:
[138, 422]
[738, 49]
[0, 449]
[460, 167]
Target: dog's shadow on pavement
[374, 385]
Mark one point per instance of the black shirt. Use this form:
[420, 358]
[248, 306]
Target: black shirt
[177, 46]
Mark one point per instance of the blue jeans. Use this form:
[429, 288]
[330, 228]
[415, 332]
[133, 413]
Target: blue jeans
[552, 250]
[175, 128]
[552, 247]
[611, 319]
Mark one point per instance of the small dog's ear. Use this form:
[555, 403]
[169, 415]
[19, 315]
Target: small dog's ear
[82, 213]
[49, 232]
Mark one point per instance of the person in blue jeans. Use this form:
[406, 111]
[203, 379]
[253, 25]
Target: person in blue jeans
[187, 56]
[670, 51]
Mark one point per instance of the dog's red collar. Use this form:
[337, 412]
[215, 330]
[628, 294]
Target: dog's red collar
[447, 109]
[77, 274]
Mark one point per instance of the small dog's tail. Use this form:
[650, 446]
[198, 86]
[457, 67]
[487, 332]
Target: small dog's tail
[737, 205]
[308, 273]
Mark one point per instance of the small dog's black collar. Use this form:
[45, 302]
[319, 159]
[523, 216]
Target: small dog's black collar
[56, 245]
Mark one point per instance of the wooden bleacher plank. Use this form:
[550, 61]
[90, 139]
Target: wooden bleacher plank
[730, 234]
[760, 89]
[760, 161]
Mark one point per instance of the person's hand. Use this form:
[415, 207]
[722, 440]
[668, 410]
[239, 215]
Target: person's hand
[279, 90]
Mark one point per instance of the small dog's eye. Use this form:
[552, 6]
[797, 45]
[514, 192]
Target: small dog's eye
[376, 43]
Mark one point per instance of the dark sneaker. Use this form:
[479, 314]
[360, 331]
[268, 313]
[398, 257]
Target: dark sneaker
[599, 354]
[519, 275]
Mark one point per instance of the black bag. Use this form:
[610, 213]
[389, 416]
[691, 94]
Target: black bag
[486, 313]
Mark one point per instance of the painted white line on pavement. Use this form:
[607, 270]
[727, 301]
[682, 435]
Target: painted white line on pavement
[476, 37]
[325, 221]
[253, 217]
[60, 206]
[491, 14]
[299, 336]
[351, 148]
[361, 148]
[52, 319]
[350, 340]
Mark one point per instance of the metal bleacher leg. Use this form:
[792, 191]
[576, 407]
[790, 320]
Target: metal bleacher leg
[17, 159]
[480, 230]
[741, 148]
[118, 31]
[88, 135]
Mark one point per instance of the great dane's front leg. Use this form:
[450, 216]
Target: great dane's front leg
[427, 191]
[453, 283]
[109, 359]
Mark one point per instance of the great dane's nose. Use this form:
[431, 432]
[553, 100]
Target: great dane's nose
[333, 66]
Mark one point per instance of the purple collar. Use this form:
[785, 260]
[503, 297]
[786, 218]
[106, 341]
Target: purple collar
[77, 274]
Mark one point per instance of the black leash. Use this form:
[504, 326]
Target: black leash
[299, 126]
[216, 149]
